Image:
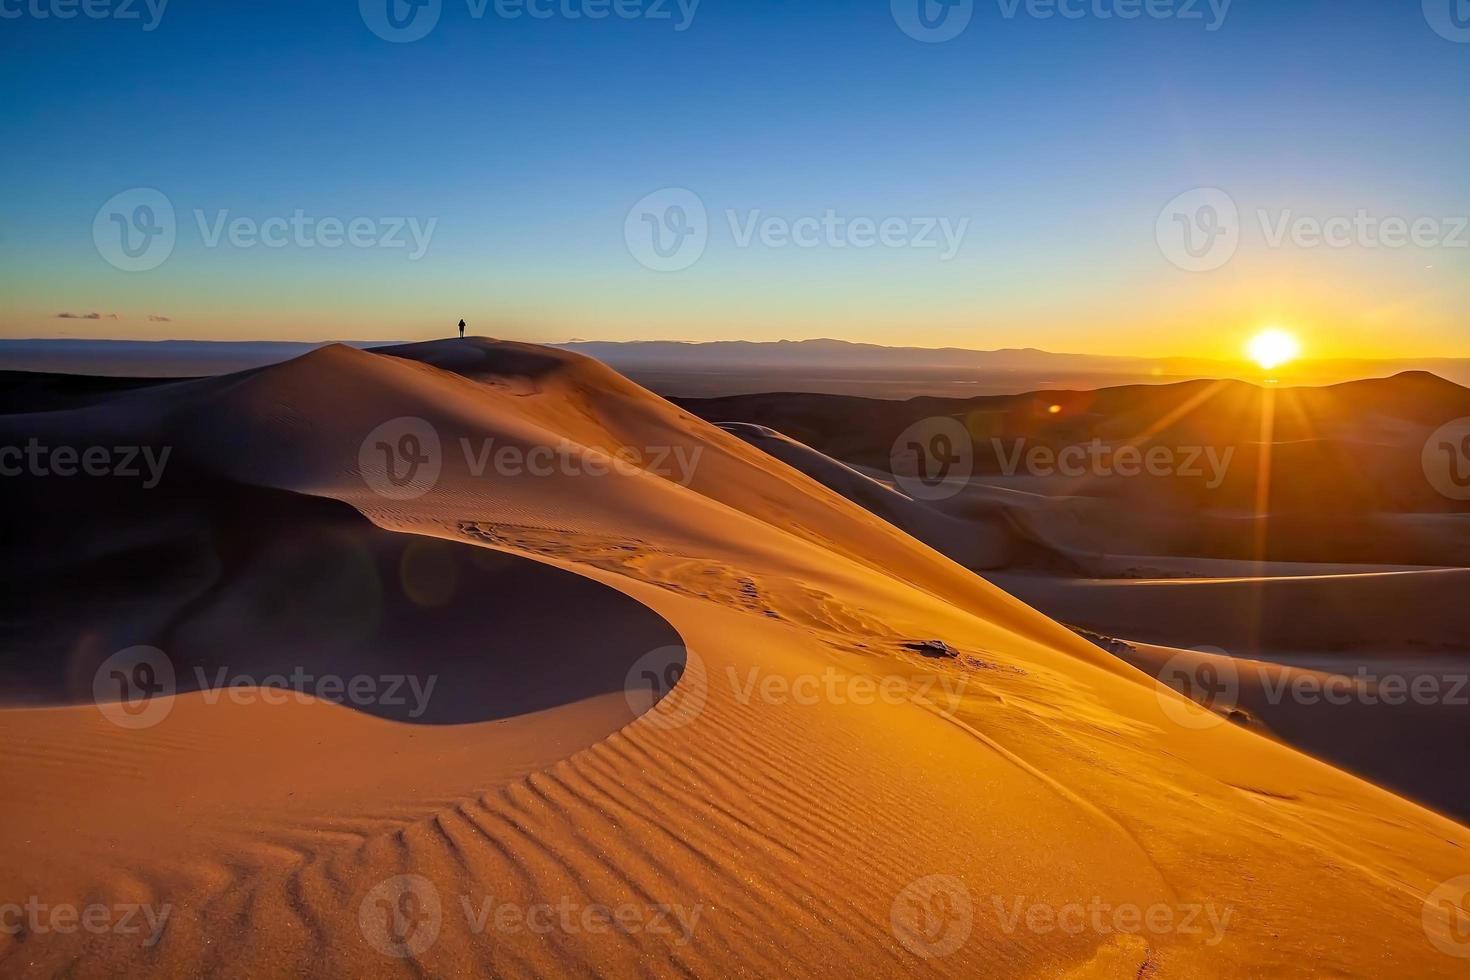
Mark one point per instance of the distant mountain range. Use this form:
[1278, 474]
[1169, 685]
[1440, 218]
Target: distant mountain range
[735, 366]
[823, 353]
[813, 354]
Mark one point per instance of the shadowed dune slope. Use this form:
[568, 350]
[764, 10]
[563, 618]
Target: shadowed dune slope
[1409, 612]
[1329, 474]
[240, 580]
[1386, 718]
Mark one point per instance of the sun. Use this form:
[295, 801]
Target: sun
[1273, 347]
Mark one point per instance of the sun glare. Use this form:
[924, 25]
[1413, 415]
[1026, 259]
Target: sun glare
[1273, 348]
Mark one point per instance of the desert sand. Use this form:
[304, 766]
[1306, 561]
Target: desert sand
[784, 834]
[1321, 545]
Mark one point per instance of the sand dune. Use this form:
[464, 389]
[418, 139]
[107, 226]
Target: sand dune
[1325, 613]
[1295, 474]
[1385, 718]
[984, 542]
[771, 832]
[1123, 558]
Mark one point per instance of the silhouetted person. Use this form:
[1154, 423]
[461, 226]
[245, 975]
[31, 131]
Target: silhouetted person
[461, 330]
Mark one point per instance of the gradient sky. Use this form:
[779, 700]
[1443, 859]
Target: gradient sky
[529, 140]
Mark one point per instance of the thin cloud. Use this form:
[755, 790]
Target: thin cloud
[159, 318]
[88, 316]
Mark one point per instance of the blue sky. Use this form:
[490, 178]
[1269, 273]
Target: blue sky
[526, 142]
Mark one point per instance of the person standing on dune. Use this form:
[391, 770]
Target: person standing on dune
[461, 330]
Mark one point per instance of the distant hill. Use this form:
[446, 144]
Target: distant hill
[1349, 449]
